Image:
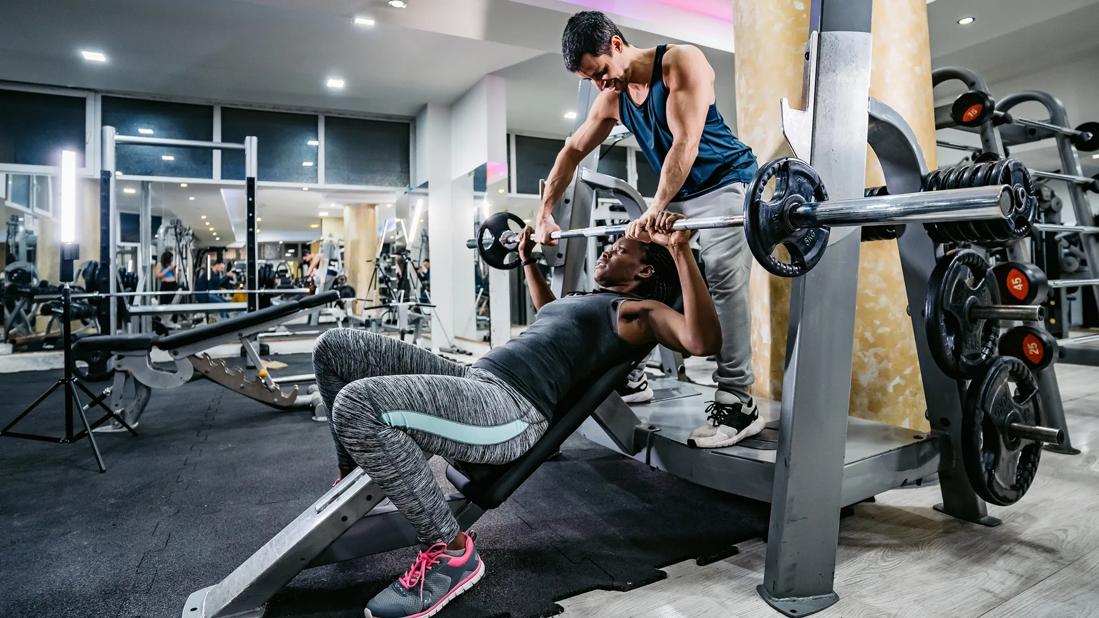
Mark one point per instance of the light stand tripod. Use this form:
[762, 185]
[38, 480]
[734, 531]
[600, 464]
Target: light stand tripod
[68, 383]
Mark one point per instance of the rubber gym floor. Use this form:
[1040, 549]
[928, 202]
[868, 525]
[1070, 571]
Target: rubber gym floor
[214, 475]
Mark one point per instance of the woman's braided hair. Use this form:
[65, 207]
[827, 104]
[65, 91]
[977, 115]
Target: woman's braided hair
[664, 284]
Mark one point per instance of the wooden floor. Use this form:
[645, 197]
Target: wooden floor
[899, 557]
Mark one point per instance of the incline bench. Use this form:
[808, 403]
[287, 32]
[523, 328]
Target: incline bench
[344, 523]
[133, 370]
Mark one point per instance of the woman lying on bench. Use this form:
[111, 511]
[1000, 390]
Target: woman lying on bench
[392, 402]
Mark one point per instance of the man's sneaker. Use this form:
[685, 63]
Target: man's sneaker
[636, 388]
[727, 424]
[435, 578]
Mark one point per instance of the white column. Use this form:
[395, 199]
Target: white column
[451, 142]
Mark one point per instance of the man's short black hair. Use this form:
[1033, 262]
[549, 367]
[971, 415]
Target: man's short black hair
[587, 32]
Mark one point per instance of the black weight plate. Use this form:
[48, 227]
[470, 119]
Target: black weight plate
[1000, 467]
[975, 230]
[961, 346]
[765, 221]
[490, 244]
[93, 366]
[985, 157]
[956, 231]
[934, 230]
[1084, 143]
[1018, 176]
[992, 232]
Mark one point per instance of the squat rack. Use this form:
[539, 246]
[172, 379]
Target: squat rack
[108, 206]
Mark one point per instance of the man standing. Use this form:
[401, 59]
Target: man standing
[665, 96]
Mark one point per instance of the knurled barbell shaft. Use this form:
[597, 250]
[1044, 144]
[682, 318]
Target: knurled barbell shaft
[1072, 283]
[1038, 124]
[969, 203]
[1053, 227]
[510, 240]
[1049, 435]
[1020, 313]
[1080, 180]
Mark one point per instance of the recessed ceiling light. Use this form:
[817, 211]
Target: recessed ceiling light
[389, 205]
[335, 83]
[203, 217]
[93, 56]
[965, 21]
[313, 142]
[398, 4]
[259, 219]
[499, 190]
[144, 131]
[363, 20]
[307, 164]
[1095, 156]
[167, 157]
[183, 185]
[212, 230]
[129, 190]
[305, 188]
[323, 213]
[192, 198]
[570, 115]
[314, 225]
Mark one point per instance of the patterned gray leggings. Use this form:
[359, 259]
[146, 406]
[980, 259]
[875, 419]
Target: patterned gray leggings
[393, 404]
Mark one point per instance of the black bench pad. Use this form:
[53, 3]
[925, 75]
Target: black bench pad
[127, 343]
[491, 484]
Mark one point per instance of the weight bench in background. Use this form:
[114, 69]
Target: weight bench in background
[345, 522]
[134, 372]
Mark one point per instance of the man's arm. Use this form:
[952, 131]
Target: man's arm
[602, 117]
[690, 83]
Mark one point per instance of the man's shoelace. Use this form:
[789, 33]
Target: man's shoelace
[729, 414]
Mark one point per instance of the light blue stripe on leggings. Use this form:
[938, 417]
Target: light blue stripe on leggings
[451, 430]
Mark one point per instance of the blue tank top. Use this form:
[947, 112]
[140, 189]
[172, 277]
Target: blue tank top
[722, 158]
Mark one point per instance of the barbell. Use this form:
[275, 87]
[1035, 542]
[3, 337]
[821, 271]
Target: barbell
[498, 241]
[797, 216]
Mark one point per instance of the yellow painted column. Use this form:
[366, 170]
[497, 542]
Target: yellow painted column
[886, 383]
[360, 234]
[769, 59]
[770, 42]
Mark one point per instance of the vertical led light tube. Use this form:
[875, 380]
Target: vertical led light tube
[68, 196]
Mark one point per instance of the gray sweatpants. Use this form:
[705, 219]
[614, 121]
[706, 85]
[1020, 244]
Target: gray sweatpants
[728, 265]
[392, 405]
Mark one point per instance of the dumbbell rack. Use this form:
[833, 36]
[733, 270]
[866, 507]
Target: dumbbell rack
[993, 140]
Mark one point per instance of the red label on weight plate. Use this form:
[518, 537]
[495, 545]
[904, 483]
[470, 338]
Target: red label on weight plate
[1017, 284]
[1033, 349]
[972, 112]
